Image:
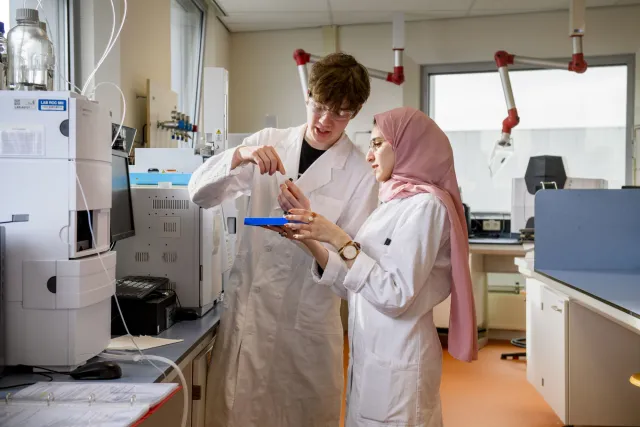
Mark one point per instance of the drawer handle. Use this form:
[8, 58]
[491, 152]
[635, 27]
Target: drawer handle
[555, 308]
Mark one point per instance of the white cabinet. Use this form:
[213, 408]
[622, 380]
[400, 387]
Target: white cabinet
[547, 325]
[579, 360]
[534, 322]
[199, 398]
[553, 358]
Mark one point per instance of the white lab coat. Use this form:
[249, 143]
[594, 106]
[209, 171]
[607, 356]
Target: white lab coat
[395, 356]
[278, 357]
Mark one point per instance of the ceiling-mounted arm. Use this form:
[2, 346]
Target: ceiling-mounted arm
[504, 59]
[302, 58]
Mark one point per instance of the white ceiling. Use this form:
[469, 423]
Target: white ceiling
[259, 15]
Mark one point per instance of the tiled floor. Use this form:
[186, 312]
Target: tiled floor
[491, 392]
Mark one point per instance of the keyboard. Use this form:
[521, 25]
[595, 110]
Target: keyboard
[139, 287]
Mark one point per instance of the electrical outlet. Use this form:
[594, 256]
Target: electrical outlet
[490, 225]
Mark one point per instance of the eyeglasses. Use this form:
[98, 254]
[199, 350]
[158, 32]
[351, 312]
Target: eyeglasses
[321, 110]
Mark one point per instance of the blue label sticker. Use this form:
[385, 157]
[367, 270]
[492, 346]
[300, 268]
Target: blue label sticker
[52, 105]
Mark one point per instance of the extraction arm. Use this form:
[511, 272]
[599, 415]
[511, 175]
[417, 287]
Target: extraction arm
[302, 58]
[504, 147]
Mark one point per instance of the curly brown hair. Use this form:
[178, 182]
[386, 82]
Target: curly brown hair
[339, 82]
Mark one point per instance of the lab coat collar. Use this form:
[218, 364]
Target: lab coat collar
[319, 173]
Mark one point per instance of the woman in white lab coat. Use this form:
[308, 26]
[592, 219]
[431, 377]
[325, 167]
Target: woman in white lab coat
[409, 255]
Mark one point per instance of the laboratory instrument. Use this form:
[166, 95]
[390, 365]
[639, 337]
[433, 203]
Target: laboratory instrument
[503, 149]
[543, 173]
[30, 54]
[216, 120]
[3, 58]
[490, 225]
[149, 316]
[139, 287]
[216, 107]
[176, 238]
[302, 58]
[59, 279]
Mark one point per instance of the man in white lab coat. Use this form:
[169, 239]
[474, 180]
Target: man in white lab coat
[278, 357]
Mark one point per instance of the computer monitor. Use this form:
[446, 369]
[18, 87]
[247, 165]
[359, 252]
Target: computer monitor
[125, 139]
[121, 208]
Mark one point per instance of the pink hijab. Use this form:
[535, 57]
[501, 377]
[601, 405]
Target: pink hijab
[424, 164]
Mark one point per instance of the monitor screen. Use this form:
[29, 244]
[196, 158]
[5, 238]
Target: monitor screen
[121, 207]
[126, 138]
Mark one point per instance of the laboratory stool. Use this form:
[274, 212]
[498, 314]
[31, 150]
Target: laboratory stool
[635, 379]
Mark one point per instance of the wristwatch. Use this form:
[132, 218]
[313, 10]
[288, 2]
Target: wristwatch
[349, 251]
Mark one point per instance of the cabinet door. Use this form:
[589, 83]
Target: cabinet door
[200, 371]
[535, 332]
[553, 357]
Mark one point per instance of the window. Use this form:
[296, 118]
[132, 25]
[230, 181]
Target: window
[55, 14]
[187, 31]
[5, 15]
[585, 118]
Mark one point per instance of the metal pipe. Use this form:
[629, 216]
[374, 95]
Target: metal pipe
[577, 44]
[397, 57]
[506, 87]
[304, 79]
[541, 62]
[378, 74]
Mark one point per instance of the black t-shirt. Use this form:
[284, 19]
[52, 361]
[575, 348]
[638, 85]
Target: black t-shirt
[308, 155]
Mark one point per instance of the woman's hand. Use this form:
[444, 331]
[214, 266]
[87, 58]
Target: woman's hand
[309, 225]
[280, 230]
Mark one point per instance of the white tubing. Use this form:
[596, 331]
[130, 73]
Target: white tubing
[139, 358]
[185, 390]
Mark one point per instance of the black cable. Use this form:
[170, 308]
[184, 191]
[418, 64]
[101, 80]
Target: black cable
[519, 342]
[27, 384]
[46, 369]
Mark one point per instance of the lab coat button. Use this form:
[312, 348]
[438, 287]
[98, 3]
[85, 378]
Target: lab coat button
[237, 328]
[268, 248]
[256, 290]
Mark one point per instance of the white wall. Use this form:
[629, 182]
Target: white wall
[264, 79]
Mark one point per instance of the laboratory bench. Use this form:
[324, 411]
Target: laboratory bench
[495, 257]
[583, 305]
[192, 355]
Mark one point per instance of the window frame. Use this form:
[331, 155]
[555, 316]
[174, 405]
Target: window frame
[629, 60]
[203, 28]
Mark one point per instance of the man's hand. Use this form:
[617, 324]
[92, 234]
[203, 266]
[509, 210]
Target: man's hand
[291, 197]
[265, 157]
